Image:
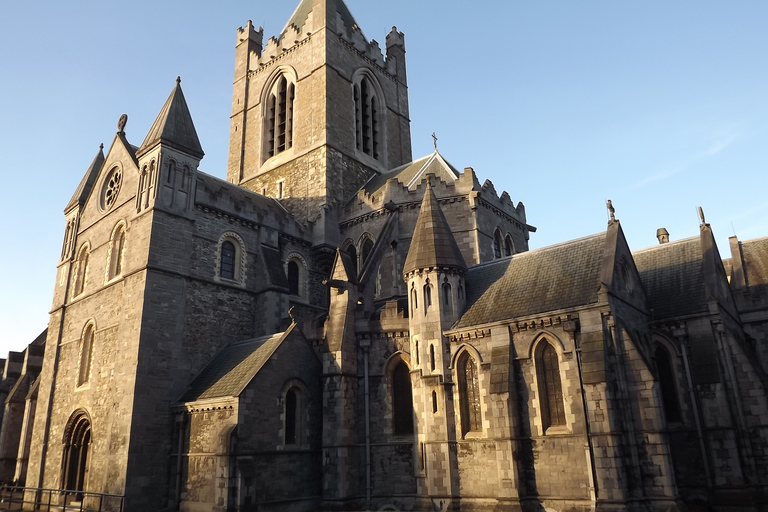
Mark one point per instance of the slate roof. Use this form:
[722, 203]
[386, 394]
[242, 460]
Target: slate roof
[233, 368]
[756, 260]
[433, 244]
[86, 184]
[413, 173]
[553, 278]
[174, 126]
[300, 15]
[673, 278]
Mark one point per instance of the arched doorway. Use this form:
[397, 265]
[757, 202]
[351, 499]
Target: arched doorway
[77, 443]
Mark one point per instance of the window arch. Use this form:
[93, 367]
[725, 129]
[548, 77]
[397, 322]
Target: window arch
[86, 354]
[447, 297]
[550, 387]
[432, 362]
[296, 272]
[368, 116]
[278, 119]
[293, 399]
[147, 183]
[414, 301]
[116, 249]
[427, 296]
[469, 394]
[349, 248]
[81, 269]
[666, 373]
[366, 247]
[509, 247]
[230, 259]
[497, 244]
[402, 400]
[76, 456]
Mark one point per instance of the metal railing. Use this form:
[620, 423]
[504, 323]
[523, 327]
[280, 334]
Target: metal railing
[58, 500]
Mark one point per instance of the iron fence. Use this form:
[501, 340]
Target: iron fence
[58, 500]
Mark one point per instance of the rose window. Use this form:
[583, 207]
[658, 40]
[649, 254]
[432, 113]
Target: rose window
[111, 188]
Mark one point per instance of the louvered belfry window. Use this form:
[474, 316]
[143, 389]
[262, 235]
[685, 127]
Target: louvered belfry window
[366, 118]
[402, 400]
[550, 388]
[469, 395]
[280, 117]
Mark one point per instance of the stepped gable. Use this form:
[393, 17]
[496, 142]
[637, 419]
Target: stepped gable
[174, 127]
[553, 278]
[233, 368]
[433, 244]
[86, 184]
[756, 260]
[673, 278]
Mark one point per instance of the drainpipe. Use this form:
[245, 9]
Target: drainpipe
[365, 344]
[592, 474]
[696, 416]
[181, 429]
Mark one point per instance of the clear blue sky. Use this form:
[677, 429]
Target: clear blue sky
[660, 106]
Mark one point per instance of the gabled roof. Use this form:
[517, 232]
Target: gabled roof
[86, 184]
[673, 278]
[756, 260]
[553, 278]
[433, 244]
[233, 368]
[300, 15]
[413, 173]
[174, 126]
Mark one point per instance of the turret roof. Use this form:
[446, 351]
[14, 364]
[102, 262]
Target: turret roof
[433, 244]
[174, 126]
[86, 184]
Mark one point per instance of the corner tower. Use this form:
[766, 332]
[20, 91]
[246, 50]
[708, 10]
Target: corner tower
[317, 110]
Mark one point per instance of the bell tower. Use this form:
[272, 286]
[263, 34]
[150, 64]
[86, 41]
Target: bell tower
[317, 110]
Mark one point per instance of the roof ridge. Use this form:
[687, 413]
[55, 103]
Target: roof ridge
[658, 246]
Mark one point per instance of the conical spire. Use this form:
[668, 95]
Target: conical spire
[433, 244]
[300, 15]
[174, 127]
[86, 184]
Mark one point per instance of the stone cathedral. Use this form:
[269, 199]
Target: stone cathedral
[340, 326]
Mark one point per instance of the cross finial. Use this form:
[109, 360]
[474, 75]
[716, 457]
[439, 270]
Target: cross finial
[434, 138]
[611, 210]
[701, 215]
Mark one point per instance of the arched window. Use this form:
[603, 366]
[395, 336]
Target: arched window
[447, 298]
[432, 363]
[666, 373]
[147, 183]
[230, 259]
[367, 122]
[293, 278]
[76, 460]
[292, 415]
[434, 402]
[427, 297]
[469, 394]
[350, 249]
[279, 120]
[86, 355]
[81, 269]
[414, 301]
[497, 244]
[116, 245]
[550, 388]
[171, 172]
[402, 400]
[228, 253]
[366, 252]
[509, 247]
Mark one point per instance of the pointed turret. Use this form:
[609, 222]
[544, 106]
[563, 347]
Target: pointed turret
[174, 127]
[433, 244]
[86, 184]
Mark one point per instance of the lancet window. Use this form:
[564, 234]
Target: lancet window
[469, 394]
[667, 382]
[402, 400]
[279, 121]
[550, 387]
[367, 118]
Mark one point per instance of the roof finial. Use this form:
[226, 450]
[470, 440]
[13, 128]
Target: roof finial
[178, 80]
[701, 216]
[611, 210]
[434, 138]
[121, 124]
[101, 146]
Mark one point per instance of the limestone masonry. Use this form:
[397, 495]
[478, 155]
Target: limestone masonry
[342, 326]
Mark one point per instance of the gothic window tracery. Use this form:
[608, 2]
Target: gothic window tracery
[509, 247]
[469, 394]
[111, 188]
[497, 244]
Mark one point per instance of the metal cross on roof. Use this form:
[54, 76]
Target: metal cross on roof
[434, 137]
